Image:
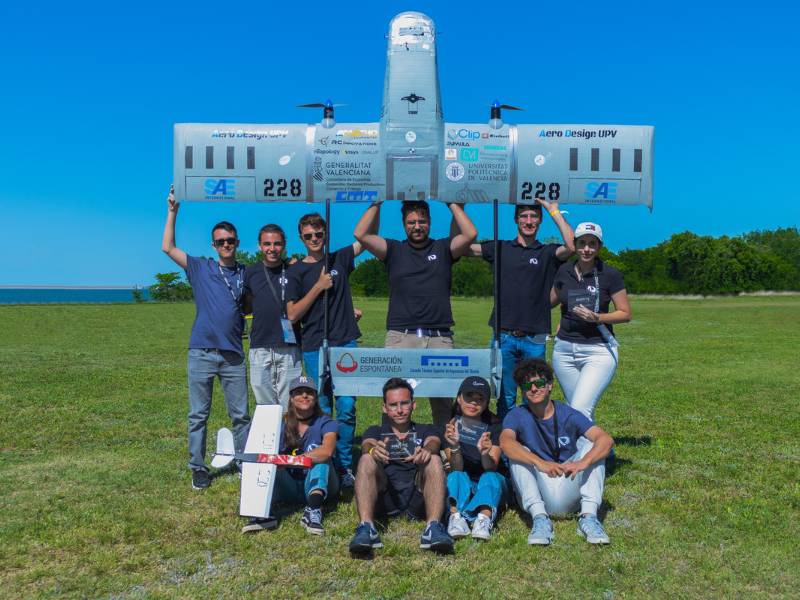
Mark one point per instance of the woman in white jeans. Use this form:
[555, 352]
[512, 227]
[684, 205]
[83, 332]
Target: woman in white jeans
[586, 354]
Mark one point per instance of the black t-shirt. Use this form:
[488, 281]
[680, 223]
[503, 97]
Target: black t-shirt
[471, 456]
[401, 474]
[572, 292]
[526, 277]
[342, 326]
[267, 312]
[419, 285]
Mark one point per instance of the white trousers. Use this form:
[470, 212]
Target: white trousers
[584, 372]
[271, 372]
[540, 494]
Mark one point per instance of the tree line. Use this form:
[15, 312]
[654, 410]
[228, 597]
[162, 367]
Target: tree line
[686, 263]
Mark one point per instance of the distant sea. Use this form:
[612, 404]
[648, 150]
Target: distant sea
[68, 295]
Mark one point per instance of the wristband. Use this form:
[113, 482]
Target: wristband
[370, 450]
[553, 213]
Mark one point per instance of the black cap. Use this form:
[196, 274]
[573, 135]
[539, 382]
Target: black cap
[475, 384]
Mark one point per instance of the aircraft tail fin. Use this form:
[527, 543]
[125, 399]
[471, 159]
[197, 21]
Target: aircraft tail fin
[225, 449]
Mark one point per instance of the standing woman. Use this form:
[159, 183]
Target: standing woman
[586, 353]
[474, 486]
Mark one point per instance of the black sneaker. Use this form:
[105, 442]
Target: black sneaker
[365, 539]
[200, 479]
[435, 538]
[257, 524]
[312, 520]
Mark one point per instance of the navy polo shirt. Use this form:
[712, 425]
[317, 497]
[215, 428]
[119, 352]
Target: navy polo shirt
[570, 292]
[401, 474]
[312, 439]
[529, 430]
[267, 312]
[526, 277]
[419, 285]
[218, 321]
[342, 326]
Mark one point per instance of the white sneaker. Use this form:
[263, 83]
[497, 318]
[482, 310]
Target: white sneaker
[457, 526]
[482, 527]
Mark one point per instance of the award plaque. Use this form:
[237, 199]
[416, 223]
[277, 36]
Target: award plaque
[400, 448]
[470, 433]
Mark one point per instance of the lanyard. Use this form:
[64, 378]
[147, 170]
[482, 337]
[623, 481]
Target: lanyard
[272, 287]
[554, 450]
[237, 281]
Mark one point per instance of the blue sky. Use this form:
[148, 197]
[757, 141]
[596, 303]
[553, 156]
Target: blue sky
[91, 91]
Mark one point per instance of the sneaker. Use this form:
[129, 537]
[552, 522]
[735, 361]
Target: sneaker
[365, 539]
[457, 526]
[542, 531]
[347, 478]
[257, 524]
[435, 538]
[312, 520]
[482, 527]
[590, 528]
[200, 479]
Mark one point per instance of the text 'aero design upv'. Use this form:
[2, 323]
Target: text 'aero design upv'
[411, 152]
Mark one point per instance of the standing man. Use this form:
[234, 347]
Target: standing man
[527, 270]
[308, 280]
[556, 455]
[215, 345]
[419, 270]
[274, 341]
[400, 472]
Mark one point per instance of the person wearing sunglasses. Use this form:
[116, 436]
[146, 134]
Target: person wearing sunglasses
[420, 277]
[309, 278]
[527, 269]
[275, 358]
[475, 484]
[586, 352]
[556, 456]
[215, 344]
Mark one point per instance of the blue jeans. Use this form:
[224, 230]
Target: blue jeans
[204, 364]
[290, 490]
[514, 349]
[469, 496]
[345, 410]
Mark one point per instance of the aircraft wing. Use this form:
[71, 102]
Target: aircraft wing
[574, 164]
[258, 479]
[277, 163]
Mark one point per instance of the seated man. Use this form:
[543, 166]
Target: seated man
[400, 472]
[557, 457]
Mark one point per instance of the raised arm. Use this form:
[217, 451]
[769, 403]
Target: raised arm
[366, 231]
[462, 231]
[567, 234]
[168, 241]
[475, 250]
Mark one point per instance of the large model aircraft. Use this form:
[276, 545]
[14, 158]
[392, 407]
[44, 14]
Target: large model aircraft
[411, 153]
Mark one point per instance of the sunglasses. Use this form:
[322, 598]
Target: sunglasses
[536, 383]
[317, 235]
[231, 241]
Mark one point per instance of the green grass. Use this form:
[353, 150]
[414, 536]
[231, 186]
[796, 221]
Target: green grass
[95, 499]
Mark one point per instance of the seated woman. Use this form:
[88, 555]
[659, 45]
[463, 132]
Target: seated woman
[308, 432]
[474, 485]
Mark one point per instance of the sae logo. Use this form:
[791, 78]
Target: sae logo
[605, 190]
[468, 154]
[224, 189]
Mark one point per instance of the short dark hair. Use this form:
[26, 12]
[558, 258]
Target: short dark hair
[396, 383]
[313, 219]
[225, 226]
[521, 207]
[409, 206]
[532, 366]
[272, 228]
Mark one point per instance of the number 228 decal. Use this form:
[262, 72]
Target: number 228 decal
[280, 190]
[536, 191]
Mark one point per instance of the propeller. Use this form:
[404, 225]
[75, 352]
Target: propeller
[328, 119]
[495, 120]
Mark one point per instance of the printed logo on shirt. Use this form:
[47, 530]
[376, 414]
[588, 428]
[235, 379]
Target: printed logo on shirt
[431, 257]
[534, 261]
[311, 447]
[283, 280]
[334, 272]
[563, 441]
[591, 288]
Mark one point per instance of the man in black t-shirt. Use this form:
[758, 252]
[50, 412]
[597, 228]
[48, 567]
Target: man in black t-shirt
[308, 280]
[400, 472]
[419, 270]
[527, 269]
[274, 341]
